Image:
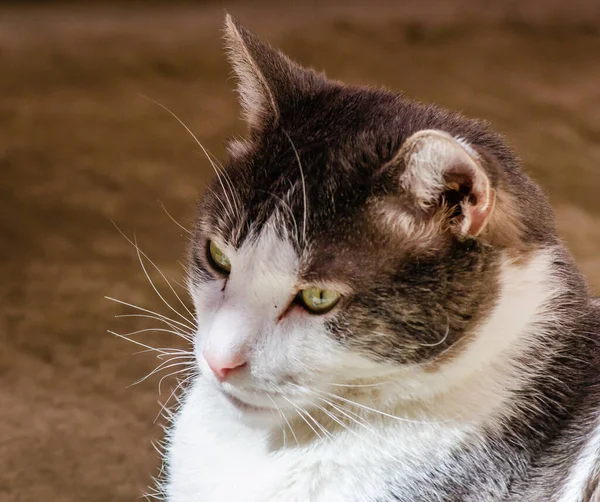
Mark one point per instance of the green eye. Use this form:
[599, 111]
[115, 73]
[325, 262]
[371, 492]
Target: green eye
[218, 259]
[319, 300]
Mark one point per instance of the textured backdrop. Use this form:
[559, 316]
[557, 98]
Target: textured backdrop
[80, 146]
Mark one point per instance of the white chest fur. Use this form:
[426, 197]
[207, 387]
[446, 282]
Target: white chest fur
[212, 457]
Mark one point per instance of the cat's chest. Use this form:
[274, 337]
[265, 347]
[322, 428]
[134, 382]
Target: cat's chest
[214, 458]
[217, 460]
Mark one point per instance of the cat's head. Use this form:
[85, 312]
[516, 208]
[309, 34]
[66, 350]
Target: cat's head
[355, 236]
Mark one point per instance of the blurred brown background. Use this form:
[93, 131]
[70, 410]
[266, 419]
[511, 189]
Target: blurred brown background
[80, 146]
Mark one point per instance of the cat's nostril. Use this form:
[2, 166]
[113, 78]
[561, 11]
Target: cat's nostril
[223, 366]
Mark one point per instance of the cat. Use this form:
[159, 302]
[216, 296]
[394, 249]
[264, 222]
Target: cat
[385, 311]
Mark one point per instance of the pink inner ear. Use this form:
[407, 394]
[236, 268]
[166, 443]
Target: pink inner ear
[440, 166]
[478, 214]
[479, 198]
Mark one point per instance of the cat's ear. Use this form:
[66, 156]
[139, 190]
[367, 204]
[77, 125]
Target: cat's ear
[443, 172]
[266, 77]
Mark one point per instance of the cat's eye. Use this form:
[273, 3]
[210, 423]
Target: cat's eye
[218, 258]
[319, 301]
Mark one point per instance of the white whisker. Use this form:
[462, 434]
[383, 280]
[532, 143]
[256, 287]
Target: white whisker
[169, 375]
[140, 253]
[238, 203]
[197, 142]
[173, 219]
[148, 311]
[303, 186]
[374, 410]
[226, 210]
[281, 415]
[352, 386]
[286, 420]
[163, 407]
[184, 361]
[172, 326]
[340, 410]
[169, 351]
[160, 330]
[443, 339]
[135, 342]
[299, 412]
[391, 456]
[289, 209]
[318, 424]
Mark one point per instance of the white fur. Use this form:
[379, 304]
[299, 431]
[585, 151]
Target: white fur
[398, 222]
[583, 469]
[428, 154]
[468, 147]
[216, 455]
[238, 148]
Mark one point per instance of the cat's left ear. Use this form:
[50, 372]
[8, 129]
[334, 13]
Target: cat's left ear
[441, 171]
[267, 79]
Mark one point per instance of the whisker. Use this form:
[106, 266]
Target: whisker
[318, 424]
[233, 193]
[289, 209]
[362, 438]
[135, 342]
[352, 386]
[161, 455]
[167, 376]
[383, 413]
[290, 427]
[299, 412]
[315, 421]
[335, 419]
[172, 326]
[160, 356]
[421, 344]
[197, 142]
[340, 410]
[281, 415]
[148, 311]
[140, 253]
[173, 219]
[286, 420]
[184, 360]
[182, 286]
[177, 351]
[162, 330]
[168, 358]
[443, 339]
[218, 167]
[344, 426]
[226, 210]
[303, 185]
[163, 407]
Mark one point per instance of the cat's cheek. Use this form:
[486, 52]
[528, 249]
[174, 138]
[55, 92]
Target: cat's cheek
[208, 296]
[207, 301]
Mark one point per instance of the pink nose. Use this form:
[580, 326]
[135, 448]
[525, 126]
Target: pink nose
[222, 366]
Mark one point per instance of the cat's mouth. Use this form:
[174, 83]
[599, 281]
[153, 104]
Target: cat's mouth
[247, 407]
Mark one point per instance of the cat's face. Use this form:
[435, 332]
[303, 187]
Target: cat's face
[355, 237]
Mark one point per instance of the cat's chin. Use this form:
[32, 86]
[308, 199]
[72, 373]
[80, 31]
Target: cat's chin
[250, 414]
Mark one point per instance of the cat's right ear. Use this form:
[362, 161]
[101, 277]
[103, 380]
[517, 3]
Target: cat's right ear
[445, 185]
[267, 79]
